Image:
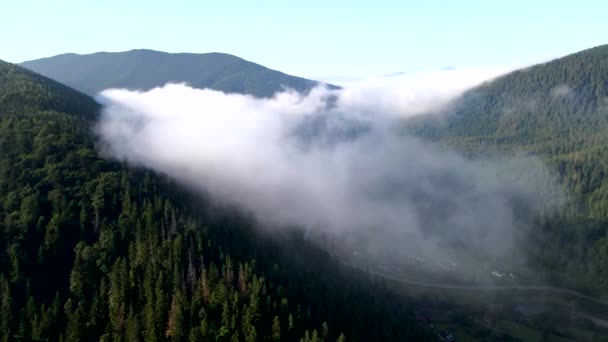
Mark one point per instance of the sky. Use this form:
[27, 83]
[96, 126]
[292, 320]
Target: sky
[313, 38]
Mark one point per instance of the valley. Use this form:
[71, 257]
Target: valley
[121, 220]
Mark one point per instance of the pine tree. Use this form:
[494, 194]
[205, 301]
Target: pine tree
[119, 283]
[174, 322]
[132, 327]
[290, 325]
[242, 280]
[6, 315]
[276, 328]
[315, 336]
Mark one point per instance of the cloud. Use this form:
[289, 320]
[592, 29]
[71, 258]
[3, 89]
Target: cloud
[333, 163]
[414, 94]
[562, 90]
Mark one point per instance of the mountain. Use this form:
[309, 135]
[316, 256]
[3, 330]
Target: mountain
[395, 74]
[552, 108]
[146, 69]
[92, 249]
[557, 111]
[21, 89]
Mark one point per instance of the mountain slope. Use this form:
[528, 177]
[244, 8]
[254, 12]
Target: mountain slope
[95, 250]
[545, 106]
[566, 96]
[557, 111]
[146, 69]
[25, 89]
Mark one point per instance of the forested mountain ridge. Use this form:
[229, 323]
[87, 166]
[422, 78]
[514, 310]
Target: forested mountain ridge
[539, 106]
[146, 69]
[95, 250]
[557, 111]
[22, 88]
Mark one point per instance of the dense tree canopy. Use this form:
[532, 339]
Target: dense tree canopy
[557, 111]
[95, 250]
[92, 249]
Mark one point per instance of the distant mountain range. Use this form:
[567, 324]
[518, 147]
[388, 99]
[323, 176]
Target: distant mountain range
[146, 69]
[395, 74]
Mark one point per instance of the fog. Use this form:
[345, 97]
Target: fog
[335, 164]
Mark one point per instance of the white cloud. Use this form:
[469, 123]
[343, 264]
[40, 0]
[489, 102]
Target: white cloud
[413, 94]
[562, 90]
[331, 161]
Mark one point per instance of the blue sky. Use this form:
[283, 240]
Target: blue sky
[311, 38]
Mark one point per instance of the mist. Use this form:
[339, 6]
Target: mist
[334, 164]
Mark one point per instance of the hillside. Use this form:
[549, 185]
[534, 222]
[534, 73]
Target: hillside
[557, 111]
[94, 250]
[146, 69]
[25, 89]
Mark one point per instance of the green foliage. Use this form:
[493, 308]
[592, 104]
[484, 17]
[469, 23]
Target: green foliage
[139, 69]
[95, 250]
[557, 111]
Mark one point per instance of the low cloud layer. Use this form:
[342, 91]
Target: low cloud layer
[333, 163]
